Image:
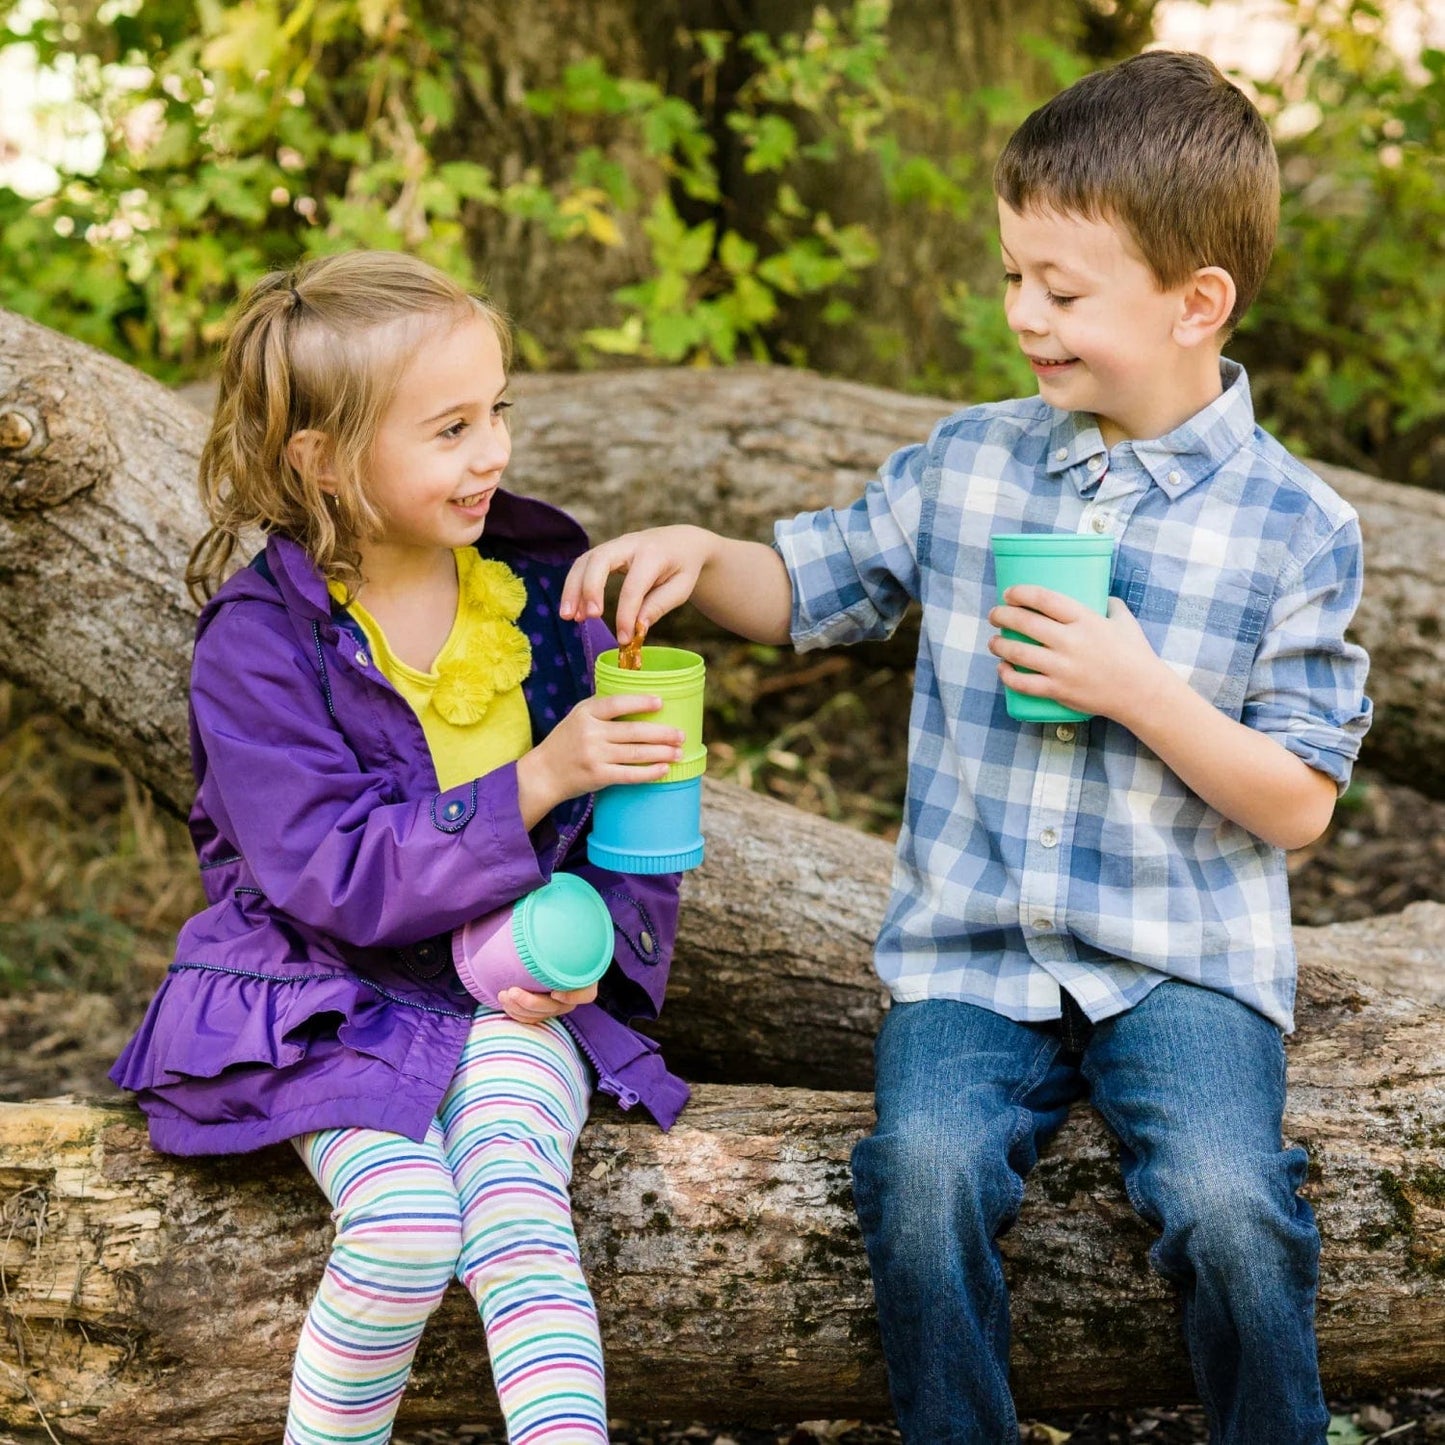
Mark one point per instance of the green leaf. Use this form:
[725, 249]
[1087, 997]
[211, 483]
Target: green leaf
[736, 254]
[434, 99]
[672, 336]
[624, 340]
[773, 142]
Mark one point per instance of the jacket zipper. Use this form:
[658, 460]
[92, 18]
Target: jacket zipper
[565, 840]
[608, 1083]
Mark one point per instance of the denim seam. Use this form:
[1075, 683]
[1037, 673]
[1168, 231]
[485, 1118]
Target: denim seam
[997, 1295]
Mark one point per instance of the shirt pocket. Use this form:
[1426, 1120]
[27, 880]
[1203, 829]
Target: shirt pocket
[1209, 639]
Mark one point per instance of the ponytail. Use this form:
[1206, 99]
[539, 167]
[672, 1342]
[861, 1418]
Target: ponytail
[306, 353]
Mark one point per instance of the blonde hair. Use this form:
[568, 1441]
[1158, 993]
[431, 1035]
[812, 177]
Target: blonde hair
[1165, 146]
[320, 348]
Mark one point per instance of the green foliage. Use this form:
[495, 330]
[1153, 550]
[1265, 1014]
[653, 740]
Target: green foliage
[241, 136]
[1344, 344]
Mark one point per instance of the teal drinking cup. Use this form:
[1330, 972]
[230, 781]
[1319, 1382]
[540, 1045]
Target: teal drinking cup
[1078, 566]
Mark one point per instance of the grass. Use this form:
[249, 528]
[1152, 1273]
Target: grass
[94, 877]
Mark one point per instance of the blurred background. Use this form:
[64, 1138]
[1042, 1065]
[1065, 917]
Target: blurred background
[675, 182]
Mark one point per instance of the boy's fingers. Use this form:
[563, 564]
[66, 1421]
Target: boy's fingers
[1043, 599]
[572, 587]
[1020, 654]
[586, 583]
[1037, 626]
[647, 593]
[1032, 683]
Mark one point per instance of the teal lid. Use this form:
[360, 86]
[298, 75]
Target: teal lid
[563, 933]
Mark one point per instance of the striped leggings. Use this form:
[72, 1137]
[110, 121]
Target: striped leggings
[485, 1198]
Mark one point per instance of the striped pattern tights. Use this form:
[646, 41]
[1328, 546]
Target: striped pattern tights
[485, 1198]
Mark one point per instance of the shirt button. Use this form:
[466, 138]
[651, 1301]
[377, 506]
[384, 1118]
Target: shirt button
[362, 659]
[1174, 479]
[1042, 925]
[1061, 454]
[1065, 732]
[1095, 463]
[452, 811]
[1099, 522]
[1049, 838]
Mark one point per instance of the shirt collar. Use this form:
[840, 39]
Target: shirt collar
[1178, 460]
[535, 527]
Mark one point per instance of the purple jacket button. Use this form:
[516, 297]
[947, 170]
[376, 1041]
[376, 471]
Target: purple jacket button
[452, 811]
[362, 658]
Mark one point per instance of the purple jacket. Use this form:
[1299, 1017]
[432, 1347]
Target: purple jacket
[317, 989]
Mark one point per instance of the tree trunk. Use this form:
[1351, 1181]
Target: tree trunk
[157, 1300]
[160, 1300]
[97, 513]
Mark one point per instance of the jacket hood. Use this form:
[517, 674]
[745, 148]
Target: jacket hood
[538, 528]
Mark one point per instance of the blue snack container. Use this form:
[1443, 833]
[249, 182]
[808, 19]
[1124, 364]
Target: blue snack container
[648, 827]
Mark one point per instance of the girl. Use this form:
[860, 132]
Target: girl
[392, 733]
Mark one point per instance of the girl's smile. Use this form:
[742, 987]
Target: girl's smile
[441, 448]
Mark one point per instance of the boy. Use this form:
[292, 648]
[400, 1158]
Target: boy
[1096, 908]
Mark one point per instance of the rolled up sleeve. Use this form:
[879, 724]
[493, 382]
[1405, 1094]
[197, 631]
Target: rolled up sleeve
[854, 570]
[1307, 686]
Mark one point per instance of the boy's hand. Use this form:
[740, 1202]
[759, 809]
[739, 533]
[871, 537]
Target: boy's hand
[593, 748]
[662, 566]
[527, 1007]
[1093, 664]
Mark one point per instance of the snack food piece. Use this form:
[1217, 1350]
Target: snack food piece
[629, 656]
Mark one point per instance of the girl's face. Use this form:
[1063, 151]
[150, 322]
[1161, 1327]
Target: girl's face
[443, 443]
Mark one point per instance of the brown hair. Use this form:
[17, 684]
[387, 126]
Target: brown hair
[319, 348]
[1168, 148]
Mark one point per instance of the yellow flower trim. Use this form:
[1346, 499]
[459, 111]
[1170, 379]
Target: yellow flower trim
[495, 590]
[495, 658]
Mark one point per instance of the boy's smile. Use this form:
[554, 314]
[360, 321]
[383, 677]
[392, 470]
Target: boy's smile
[1097, 329]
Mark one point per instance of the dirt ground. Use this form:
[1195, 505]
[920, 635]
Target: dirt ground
[816, 733]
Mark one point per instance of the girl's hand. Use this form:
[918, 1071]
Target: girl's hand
[1093, 664]
[593, 748]
[527, 1007]
[662, 566]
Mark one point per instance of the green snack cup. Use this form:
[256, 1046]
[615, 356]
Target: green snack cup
[1076, 565]
[676, 676]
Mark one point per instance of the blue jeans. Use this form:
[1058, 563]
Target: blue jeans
[1192, 1084]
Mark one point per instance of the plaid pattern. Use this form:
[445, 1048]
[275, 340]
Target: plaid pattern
[1034, 857]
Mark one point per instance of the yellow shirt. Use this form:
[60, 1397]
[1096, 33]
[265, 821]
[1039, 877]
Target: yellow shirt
[470, 705]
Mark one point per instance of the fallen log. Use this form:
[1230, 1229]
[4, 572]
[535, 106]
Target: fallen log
[779, 923]
[155, 1300]
[776, 935]
[96, 482]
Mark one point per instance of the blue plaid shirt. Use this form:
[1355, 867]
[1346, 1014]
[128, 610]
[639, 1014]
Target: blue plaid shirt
[1039, 857]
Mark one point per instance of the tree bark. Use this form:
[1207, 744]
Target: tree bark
[97, 513]
[734, 450]
[157, 1300]
[160, 1300]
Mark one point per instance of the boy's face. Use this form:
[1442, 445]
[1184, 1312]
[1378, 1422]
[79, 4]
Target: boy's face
[1099, 332]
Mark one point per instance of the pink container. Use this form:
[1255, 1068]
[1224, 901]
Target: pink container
[558, 937]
